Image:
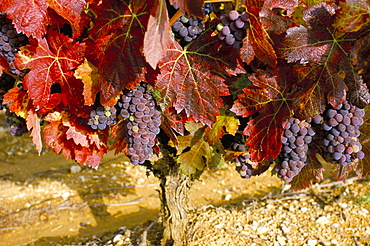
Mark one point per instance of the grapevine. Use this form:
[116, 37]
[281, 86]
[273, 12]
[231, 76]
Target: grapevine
[173, 79]
[86, 78]
[82, 86]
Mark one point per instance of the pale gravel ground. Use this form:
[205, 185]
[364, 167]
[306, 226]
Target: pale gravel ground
[332, 214]
[299, 220]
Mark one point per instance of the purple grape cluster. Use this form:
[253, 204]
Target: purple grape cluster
[101, 117]
[243, 163]
[16, 125]
[341, 127]
[232, 28]
[296, 138]
[10, 41]
[187, 29]
[138, 108]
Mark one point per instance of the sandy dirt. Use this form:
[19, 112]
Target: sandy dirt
[47, 200]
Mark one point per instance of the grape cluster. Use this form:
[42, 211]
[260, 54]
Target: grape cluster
[187, 29]
[16, 125]
[101, 117]
[243, 163]
[341, 127]
[138, 108]
[10, 41]
[296, 138]
[232, 28]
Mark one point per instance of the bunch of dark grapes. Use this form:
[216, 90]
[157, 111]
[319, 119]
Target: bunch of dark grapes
[296, 138]
[138, 108]
[232, 28]
[341, 127]
[10, 41]
[243, 163]
[16, 125]
[101, 117]
[187, 29]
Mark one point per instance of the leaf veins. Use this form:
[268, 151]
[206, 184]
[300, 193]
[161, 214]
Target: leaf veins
[188, 81]
[267, 98]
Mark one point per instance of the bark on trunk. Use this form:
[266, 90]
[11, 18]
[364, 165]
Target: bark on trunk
[175, 190]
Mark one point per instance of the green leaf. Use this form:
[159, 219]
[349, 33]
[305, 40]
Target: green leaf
[193, 159]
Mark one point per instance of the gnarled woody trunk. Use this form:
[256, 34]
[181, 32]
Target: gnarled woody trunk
[174, 196]
[175, 190]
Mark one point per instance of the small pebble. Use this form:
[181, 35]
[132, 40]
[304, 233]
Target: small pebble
[323, 220]
[75, 169]
[363, 212]
[227, 197]
[262, 230]
[66, 195]
[117, 238]
[285, 229]
[311, 242]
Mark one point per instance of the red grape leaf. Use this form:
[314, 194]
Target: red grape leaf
[259, 38]
[18, 102]
[157, 35]
[312, 43]
[33, 125]
[72, 11]
[267, 98]
[318, 86]
[300, 48]
[31, 17]
[186, 81]
[328, 72]
[71, 145]
[246, 51]
[191, 7]
[271, 17]
[4, 65]
[52, 61]
[78, 137]
[223, 124]
[172, 122]
[280, 4]
[118, 36]
[353, 16]
[119, 134]
[360, 57]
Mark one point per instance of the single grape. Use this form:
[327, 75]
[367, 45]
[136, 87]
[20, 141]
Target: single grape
[233, 15]
[230, 39]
